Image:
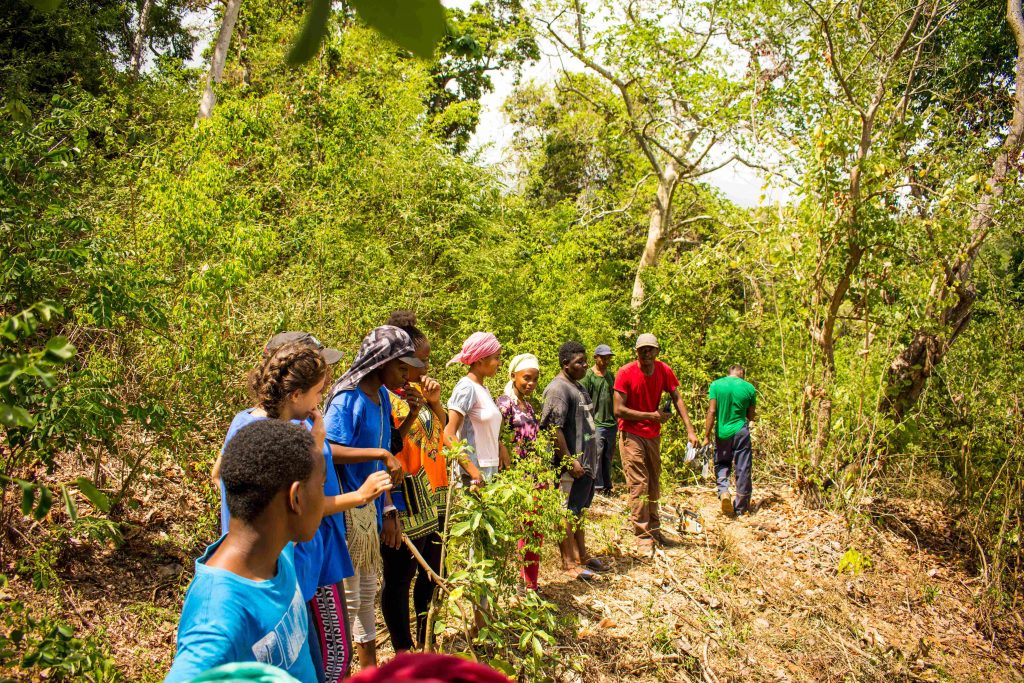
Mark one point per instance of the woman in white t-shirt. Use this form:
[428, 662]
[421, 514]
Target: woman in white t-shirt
[472, 414]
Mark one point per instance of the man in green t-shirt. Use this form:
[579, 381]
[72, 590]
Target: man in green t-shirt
[732, 406]
[599, 383]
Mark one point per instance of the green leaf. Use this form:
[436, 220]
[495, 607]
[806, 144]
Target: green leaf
[502, 666]
[59, 349]
[15, 416]
[69, 504]
[416, 25]
[45, 5]
[439, 627]
[28, 496]
[95, 496]
[313, 31]
[45, 503]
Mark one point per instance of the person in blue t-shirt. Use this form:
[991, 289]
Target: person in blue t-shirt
[244, 603]
[358, 423]
[289, 386]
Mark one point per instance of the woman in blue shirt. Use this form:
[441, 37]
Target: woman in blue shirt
[358, 423]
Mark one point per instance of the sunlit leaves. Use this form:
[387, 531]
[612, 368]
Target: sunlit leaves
[415, 25]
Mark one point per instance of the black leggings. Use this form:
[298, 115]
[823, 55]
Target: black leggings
[399, 569]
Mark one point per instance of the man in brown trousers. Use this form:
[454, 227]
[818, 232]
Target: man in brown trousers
[639, 386]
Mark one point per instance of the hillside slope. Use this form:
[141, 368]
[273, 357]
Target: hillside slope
[761, 599]
[755, 599]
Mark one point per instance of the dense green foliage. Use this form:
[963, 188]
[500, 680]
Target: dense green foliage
[145, 260]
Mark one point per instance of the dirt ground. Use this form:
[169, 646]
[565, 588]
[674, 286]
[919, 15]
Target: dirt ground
[755, 599]
[761, 599]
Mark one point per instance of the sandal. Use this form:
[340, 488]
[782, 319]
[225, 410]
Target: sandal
[586, 575]
[597, 565]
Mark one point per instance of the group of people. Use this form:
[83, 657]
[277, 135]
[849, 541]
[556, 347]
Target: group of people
[316, 506]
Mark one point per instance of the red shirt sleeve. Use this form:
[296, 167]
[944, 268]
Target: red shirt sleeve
[669, 378]
[621, 379]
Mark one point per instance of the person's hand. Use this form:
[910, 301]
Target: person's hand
[577, 470]
[392, 532]
[414, 398]
[375, 484]
[392, 464]
[319, 430]
[664, 417]
[706, 441]
[691, 436]
[431, 390]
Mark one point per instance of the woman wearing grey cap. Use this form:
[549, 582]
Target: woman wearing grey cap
[358, 423]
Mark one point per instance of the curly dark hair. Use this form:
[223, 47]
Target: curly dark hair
[569, 349]
[261, 459]
[292, 367]
[405, 320]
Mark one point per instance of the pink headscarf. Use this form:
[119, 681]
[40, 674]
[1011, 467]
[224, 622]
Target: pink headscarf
[479, 345]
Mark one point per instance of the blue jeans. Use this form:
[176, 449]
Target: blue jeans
[606, 446]
[735, 453]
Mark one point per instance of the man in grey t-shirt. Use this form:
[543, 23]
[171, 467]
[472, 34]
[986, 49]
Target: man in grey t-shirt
[567, 411]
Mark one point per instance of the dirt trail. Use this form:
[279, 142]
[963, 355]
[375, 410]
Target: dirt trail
[761, 599]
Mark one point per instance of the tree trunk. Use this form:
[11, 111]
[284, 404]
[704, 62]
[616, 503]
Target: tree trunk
[913, 366]
[140, 38]
[657, 230]
[220, 53]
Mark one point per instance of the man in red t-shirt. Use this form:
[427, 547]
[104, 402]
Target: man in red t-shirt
[639, 386]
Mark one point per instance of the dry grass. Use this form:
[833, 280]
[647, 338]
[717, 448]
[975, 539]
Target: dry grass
[757, 599]
[761, 599]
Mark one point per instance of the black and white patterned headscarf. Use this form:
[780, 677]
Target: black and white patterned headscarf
[382, 345]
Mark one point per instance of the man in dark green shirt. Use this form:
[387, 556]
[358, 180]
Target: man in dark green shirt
[732, 406]
[599, 382]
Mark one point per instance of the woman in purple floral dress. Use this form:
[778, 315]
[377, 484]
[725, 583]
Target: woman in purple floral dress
[516, 410]
[520, 419]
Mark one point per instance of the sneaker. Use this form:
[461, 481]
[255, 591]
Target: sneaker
[727, 505]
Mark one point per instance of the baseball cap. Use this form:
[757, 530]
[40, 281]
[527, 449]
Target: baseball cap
[603, 350]
[646, 340]
[413, 361]
[330, 356]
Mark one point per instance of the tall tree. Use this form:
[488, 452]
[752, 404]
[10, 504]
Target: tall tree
[217, 60]
[683, 93]
[859, 68]
[953, 290]
[491, 36]
[139, 45]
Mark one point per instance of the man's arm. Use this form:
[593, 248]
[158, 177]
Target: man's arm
[677, 399]
[623, 413]
[751, 413]
[709, 422]
[562, 450]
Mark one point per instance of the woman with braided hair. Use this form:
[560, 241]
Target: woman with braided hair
[289, 386]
